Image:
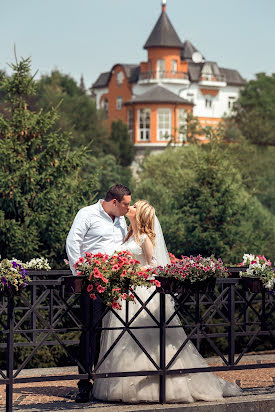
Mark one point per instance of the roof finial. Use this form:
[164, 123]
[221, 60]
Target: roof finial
[163, 6]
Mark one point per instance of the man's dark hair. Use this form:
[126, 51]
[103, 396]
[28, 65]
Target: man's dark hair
[117, 192]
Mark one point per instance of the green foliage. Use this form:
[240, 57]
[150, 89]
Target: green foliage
[40, 184]
[109, 173]
[205, 208]
[255, 110]
[120, 144]
[78, 114]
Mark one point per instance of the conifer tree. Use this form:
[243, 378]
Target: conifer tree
[40, 187]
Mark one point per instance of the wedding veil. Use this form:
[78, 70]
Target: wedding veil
[160, 250]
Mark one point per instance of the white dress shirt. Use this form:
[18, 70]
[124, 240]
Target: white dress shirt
[94, 231]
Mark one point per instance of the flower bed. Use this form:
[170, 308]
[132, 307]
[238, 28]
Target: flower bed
[13, 277]
[259, 267]
[112, 277]
[190, 273]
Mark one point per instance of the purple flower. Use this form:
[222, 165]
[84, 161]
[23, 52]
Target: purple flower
[4, 280]
[14, 264]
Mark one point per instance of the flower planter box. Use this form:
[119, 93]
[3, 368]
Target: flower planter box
[254, 285]
[172, 285]
[75, 284]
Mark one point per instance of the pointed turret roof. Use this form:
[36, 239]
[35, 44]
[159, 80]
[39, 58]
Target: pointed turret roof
[187, 50]
[163, 34]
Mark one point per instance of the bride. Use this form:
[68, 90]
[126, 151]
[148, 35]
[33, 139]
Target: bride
[146, 243]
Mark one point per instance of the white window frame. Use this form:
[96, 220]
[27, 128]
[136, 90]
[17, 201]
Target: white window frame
[231, 101]
[144, 131]
[174, 66]
[160, 69]
[208, 102]
[131, 123]
[119, 102]
[164, 130]
[182, 115]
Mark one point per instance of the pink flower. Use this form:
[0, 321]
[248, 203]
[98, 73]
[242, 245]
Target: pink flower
[116, 305]
[115, 267]
[117, 289]
[81, 259]
[90, 288]
[100, 289]
[93, 296]
[104, 279]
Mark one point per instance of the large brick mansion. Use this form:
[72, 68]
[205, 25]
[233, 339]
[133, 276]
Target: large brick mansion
[152, 97]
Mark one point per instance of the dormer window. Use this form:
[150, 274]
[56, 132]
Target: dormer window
[206, 73]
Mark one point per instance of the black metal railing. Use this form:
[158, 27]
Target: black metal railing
[163, 75]
[226, 321]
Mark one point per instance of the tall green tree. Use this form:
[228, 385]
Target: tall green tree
[203, 205]
[40, 186]
[121, 145]
[255, 110]
[78, 113]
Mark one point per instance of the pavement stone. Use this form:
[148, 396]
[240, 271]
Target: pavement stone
[258, 395]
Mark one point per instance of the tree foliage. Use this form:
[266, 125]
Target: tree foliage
[205, 208]
[255, 110]
[78, 113]
[120, 144]
[40, 186]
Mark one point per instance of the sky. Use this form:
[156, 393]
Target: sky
[87, 37]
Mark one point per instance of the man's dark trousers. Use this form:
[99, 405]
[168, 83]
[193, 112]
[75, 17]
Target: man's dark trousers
[89, 347]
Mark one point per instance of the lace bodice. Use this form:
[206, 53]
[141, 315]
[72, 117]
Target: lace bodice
[136, 250]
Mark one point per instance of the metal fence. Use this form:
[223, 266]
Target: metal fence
[50, 312]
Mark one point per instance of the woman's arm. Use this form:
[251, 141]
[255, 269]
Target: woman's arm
[147, 247]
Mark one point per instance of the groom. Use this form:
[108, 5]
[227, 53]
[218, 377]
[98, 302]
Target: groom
[99, 228]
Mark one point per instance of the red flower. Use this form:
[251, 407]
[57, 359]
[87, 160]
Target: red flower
[116, 305]
[93, 296]
[104, 279]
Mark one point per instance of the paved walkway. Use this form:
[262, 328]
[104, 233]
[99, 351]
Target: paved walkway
[258, 385]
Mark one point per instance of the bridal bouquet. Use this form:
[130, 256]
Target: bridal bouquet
[193, 269]
[259, 267]
[13, 277]
[111, 277]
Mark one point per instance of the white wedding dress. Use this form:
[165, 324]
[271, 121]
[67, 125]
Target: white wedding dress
[127, 356]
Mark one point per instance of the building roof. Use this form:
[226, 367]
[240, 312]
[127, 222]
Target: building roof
[231, 77]
[131, 70]
[158, 94]
[163, 34]
[102, 80]
[187, 50]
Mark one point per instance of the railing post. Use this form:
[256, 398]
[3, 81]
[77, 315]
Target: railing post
[10, 357]
[197, 319]
[231, 318]
[33, 315]
[162, 342]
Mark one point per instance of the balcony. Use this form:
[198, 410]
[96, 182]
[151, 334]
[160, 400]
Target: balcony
[156, 76]
[212, 80]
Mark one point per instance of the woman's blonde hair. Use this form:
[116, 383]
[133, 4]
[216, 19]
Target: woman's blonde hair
[145, 217]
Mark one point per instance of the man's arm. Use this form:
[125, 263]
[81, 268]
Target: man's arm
[75, 238]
